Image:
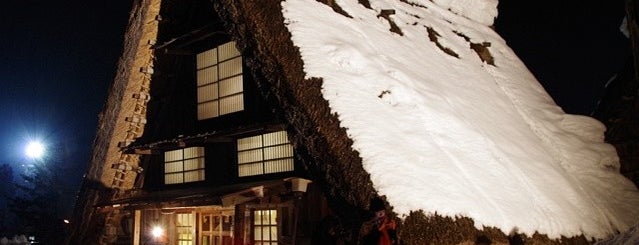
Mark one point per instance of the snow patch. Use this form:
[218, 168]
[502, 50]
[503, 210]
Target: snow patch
[482, 11]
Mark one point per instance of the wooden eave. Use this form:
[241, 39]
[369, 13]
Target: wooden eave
[203, 196]
[182, 45]
[182, 141]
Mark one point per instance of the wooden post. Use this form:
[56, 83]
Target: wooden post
[240, 220]
[136, 227]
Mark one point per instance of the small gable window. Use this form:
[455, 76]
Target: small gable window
[219, 81]
[264, 154]
[184, 165]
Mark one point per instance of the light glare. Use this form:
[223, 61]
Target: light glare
[157, 231]
[34, 150]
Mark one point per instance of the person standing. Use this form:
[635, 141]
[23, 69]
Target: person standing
[380, 229]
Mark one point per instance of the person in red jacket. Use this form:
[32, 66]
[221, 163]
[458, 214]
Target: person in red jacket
[380, 229]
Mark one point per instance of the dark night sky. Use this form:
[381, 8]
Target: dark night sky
[58, 58]
[573, 47]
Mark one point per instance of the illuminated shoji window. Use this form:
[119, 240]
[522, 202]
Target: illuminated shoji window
[184, 228]
[184, 165]
[219, 81]
[265, 227]
[264, 154]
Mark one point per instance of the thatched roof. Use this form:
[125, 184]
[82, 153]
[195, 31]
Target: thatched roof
[120, 122]
[317, 125]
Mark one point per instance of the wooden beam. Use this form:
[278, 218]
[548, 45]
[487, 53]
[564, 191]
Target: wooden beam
[136, 227]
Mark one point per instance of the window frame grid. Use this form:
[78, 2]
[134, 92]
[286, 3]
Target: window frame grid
[189, 227]
[217, 82]
[263, 153]
[263, 160]
[184, 160]
[270, 226]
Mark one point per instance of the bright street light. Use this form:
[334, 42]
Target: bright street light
[34, 150]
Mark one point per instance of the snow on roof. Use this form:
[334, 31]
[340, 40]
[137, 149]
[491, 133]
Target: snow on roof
[441, 130]
[482, 11]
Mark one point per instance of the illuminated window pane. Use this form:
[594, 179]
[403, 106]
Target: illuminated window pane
[206, 240]
[257, 233]
[193, 152]
[264, 154]
[249, 143]
[266, 233]
[184, 223]
[208, 109]
[249, 156]
[276, 166]
[250, 169]
[257, 217]
[184, 219]
[193, 176]
[265, 226]
[207, 75]
[207, 93]
[230, 67]
[220, 81]
[276, 138]
[184, 165]
[172, 167]
[228, 50]
[279, 151]
[231, 86]
[173, 178]
[195, 163]
[206, 58]
[231, 104]
[173, 155]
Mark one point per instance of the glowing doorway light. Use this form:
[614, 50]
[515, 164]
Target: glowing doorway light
[157, 232]
[34, 150]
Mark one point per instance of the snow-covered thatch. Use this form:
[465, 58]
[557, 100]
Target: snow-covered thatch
[446, 119]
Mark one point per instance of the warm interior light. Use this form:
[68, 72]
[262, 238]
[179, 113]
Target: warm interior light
[157, 231]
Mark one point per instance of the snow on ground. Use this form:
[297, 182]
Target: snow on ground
[458, 136]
